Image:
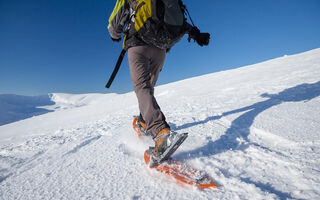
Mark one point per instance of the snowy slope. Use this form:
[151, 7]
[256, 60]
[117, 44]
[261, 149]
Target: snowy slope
[17, 107]
[254, 129]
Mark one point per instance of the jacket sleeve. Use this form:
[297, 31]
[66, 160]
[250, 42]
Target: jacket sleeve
[118, 18]
[187, 27]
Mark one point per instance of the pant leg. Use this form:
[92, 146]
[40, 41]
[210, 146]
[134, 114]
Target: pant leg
[155, 69]
[145, 63]
[156, 64]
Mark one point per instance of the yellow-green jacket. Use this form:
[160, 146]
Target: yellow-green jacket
[117, 22]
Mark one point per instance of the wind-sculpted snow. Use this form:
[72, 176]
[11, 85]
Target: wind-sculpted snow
[254, 129]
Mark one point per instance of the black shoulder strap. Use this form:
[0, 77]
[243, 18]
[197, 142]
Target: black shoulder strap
[116, 69]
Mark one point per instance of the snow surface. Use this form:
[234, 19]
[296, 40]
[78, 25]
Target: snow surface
[254, 129]
[17, 107]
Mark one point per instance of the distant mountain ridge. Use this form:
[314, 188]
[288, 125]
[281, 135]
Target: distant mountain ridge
[17, 107]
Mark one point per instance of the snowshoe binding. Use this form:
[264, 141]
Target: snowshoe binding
[165, 145]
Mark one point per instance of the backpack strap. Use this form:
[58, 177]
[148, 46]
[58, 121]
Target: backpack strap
[133, 8]
[116, 68]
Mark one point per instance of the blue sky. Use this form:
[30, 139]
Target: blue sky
[63, 45]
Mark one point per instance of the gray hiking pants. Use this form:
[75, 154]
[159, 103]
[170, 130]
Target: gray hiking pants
[145, 63]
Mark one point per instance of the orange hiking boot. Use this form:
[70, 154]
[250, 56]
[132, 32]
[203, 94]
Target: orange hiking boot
[166, 143]
[162, 142]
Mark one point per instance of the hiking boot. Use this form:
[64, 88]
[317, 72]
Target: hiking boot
[166, 143]
[162, 142]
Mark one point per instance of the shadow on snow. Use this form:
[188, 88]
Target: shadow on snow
[240, 127]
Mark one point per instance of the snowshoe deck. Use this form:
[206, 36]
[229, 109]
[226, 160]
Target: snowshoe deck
[182, 172]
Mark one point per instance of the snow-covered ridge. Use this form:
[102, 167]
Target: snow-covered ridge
[66, 101]
[17, 107]
[254, 129]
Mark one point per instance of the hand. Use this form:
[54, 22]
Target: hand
[116, 40]
[201, 38]
[193, 33]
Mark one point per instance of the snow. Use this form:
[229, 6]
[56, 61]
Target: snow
[254, 129]
[17, 107]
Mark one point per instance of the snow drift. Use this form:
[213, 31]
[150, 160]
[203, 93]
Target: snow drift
[254, 129]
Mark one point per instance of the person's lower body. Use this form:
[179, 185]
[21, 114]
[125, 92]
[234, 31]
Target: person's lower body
[145, 63]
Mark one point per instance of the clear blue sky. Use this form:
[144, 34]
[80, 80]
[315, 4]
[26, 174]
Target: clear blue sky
[63, 45]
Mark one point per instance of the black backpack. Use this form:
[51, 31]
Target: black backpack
[161, 23]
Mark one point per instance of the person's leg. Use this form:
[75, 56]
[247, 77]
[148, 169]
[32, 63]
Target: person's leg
[145, 63]
[156, 64]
